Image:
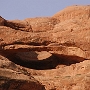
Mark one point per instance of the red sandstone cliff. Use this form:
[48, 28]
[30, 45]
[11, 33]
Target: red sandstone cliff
[52, 53]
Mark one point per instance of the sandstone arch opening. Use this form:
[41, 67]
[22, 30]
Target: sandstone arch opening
[46, 61]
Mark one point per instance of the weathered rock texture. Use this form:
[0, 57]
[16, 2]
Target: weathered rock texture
[60, 43]
[14, 77]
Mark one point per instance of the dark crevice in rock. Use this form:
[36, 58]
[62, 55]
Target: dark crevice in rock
[68, 59]
[49, 63]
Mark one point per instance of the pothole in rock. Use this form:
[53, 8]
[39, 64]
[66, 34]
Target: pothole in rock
[42, 60]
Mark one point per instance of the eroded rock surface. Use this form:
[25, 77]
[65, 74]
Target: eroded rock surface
[60, 43]
[13, 77]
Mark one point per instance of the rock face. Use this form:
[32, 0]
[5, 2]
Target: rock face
[73, 12]
[60, 43]
[16, 77]
[2, 21]
[41, 24]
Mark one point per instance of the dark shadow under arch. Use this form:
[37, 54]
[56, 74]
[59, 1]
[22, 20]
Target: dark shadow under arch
[48, 63]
